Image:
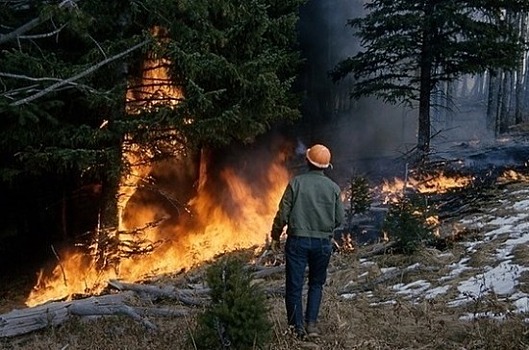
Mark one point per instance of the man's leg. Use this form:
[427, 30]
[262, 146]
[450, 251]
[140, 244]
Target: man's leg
[319, 257]
[296, 253]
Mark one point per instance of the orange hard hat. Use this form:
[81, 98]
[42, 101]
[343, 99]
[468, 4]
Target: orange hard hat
[319, 156]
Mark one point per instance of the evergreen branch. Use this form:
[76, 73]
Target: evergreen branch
[78, 76]
[31, 24]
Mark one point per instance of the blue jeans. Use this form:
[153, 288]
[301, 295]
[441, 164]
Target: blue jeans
[300, 252]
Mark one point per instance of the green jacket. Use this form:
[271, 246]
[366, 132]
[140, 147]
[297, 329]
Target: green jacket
[310, 206]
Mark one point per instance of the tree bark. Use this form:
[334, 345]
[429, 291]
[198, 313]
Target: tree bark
[425, 89]
[492, 115]
[28, 320]
[519, 103]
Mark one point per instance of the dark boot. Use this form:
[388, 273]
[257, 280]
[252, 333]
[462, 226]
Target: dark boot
[312, 330]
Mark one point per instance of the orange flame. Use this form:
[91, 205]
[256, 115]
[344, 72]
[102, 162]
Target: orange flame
[212, 228]
[513, 176]
[437, 183]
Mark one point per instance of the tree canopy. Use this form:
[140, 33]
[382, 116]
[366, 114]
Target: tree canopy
[409, 47]
[66, 67]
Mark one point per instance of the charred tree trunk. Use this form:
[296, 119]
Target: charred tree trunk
[449, 115]
[501, 124]
[518, 112]
[505, 104]
[492, 101]
[424, 132]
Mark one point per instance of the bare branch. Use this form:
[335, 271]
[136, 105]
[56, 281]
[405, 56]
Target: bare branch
[25, 77]
[44, 35]
[32, 24]
[78, 76]
[29, 89]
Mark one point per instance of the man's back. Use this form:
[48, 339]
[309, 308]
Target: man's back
[316, 206]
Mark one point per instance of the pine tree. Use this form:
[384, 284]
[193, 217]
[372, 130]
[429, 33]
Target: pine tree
[409, 47]
[65, 67]
[238, 316]
[407, 223]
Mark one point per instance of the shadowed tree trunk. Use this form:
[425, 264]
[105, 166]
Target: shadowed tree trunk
[426, 60]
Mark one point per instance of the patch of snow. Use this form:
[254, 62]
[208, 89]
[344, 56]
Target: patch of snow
[501, 280]
[471, 247]
[456, 269]
[522, 304]
[388, 302]
[502, 221]
[502, 230]
[387, 269]
[414, 288]
[521, 205]
[478, 315]
[507, 225]
[433, 293]
[348, 295]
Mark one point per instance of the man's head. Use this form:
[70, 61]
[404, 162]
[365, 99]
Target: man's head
[319, 156]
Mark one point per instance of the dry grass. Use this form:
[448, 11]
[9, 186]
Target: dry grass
[379, 321]
[346, 324]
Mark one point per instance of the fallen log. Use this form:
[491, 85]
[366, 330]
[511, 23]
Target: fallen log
[21, 321]
[107, 305]
[52, 314]
[190, 297]
[377, 249]
[263, 272]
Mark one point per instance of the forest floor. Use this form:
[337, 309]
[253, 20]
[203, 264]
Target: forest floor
[471, 294]
[474, 294]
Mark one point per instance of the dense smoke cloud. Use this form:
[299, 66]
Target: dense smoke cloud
[355, 130]
[359, 131]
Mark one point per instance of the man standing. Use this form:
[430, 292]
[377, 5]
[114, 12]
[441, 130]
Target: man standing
[311, 209]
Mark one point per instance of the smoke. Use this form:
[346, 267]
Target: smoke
[301, 149]
[368, 129]
[354, 130]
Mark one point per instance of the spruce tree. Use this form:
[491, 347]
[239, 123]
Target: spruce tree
[237, 317]
[65, 69]
[409, 47]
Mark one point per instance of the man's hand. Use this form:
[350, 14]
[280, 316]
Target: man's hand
[275, 246]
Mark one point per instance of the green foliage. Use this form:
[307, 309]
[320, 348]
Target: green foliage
[407, 223]
[236, 61]
[412, 44]
[359, 196]
[65, 71]
[60, 132]
[237, 315]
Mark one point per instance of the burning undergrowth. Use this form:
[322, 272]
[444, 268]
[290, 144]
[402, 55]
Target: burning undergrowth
[384, 300]
[232, 208]
[433, 193]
